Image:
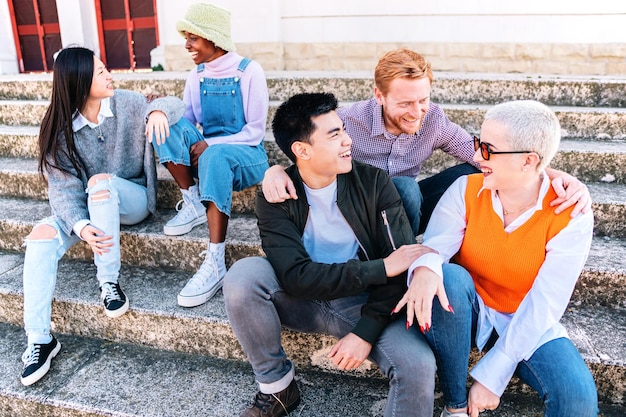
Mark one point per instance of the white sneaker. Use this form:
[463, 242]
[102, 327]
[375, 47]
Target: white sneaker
[205, 283]
[191, 213]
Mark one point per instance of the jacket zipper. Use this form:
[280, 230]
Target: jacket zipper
[362, 248]
[386, 223]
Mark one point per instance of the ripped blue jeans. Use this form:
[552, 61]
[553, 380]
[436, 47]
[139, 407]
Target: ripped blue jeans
[126, 203]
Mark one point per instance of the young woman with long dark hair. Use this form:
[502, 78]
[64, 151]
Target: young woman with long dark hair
[95, 150]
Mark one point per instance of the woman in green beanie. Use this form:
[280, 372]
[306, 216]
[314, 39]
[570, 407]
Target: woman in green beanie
[227, 96]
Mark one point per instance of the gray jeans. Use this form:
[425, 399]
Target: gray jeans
[258, 307]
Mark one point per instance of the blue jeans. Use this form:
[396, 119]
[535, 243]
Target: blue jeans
[128, 204]
[222, 168]
[556, 370]
[432, 188]
[257, 307]
[411, 197]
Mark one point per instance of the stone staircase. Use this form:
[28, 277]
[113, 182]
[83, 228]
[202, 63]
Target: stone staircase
[164, 360]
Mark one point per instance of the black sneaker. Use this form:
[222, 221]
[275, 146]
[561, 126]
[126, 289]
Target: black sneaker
[114, 299]
[37, 360]
[274, 405]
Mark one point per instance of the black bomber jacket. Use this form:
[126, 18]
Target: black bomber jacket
[372, 207]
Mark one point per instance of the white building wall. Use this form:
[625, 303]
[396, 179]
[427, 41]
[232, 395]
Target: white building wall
[8, 54]
[279, 23]
[530, 21]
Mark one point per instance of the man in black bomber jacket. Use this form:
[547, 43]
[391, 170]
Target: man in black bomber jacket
[336, 264]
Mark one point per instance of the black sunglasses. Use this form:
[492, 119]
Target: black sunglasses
[486, 152]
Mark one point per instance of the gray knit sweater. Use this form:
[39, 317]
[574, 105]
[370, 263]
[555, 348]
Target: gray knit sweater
[124, 153]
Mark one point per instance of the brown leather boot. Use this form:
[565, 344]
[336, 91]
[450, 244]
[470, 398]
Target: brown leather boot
[274, 405]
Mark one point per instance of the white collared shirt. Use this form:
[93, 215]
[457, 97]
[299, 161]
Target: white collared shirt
[80, 121]
[536, 320]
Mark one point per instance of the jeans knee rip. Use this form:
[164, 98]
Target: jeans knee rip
[29, 241]
[102, 191]
[103, 195]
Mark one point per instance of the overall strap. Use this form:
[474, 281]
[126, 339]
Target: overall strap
[200, 68]
[243, 64]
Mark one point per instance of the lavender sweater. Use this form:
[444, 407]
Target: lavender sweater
[124, 153]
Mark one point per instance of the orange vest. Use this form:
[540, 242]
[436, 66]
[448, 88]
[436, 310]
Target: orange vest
[505, 265]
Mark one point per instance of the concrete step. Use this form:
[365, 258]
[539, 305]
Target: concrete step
[152, 293]
[593, 123]
[128, 366]
[156, 321]
[576, 122]
[21, 142]
[448, 87]
[91, 377]
[19, 178]
[589, 160]
[145, 245]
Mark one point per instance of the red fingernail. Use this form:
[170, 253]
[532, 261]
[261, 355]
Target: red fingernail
[408, 325]
[427, 327]
[450, 309]
[393, 311]
[422, 329]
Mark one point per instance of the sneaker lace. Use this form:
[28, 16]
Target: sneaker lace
[184, 202]
[180, 205]
[264, 401]
[31, 355]
[109, 292]
[186, 208]
[207, 270]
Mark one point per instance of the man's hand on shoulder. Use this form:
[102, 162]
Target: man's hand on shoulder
[570, 191]
[350, 352]
[277, 186]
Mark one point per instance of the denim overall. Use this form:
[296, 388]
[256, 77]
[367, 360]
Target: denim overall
[222, 168]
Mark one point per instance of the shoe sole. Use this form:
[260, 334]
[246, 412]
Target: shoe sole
[185, 228]
[196, 300]
[120, 311]
[41, 372]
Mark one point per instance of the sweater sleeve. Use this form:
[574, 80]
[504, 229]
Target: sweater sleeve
[173, 107]
[66, 195]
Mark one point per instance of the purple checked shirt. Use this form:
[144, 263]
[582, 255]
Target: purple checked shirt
[402, 155]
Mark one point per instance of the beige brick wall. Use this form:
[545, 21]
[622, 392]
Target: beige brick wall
[563, 59]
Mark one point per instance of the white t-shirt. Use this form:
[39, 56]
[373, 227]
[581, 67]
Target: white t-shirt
[328, 238]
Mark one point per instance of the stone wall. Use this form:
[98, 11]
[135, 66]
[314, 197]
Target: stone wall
[562, 59]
